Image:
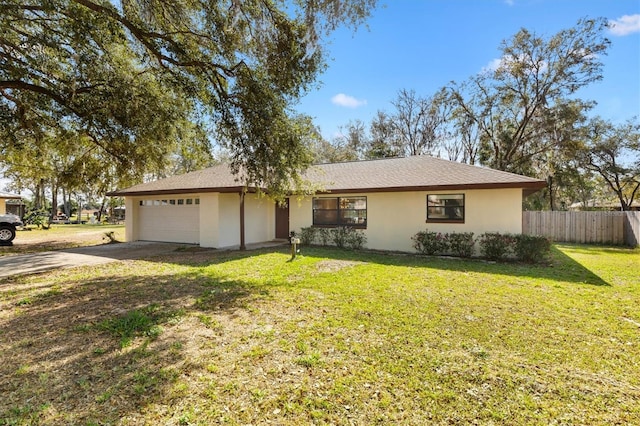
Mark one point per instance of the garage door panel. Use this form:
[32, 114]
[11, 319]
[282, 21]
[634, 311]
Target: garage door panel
[170, 223]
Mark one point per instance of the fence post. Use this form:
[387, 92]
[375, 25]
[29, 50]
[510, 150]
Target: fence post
[632, 229]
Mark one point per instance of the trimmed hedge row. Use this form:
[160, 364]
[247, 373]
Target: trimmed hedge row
[492, 245]
[432, 243]
[342, 237]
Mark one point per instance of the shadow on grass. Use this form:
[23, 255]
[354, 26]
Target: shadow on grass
[96, 351]
[560, 266]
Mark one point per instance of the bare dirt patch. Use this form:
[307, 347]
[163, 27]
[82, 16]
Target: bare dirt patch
[334, 265]
[60, 237]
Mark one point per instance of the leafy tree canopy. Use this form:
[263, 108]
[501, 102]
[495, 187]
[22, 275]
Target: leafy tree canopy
[136, 76]
[513, 104]
[613, 152]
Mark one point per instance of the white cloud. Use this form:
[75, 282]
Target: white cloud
[347, 101]
[493, 65]
[625, 25]
[505, 62]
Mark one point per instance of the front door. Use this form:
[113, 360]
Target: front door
[282, 220]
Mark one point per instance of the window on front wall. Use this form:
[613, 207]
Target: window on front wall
[445, 208]
[340, 211]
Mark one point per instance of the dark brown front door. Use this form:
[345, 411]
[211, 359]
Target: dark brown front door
[282, 220]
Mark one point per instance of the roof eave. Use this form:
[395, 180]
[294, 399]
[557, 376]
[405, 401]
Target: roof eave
[222, 189]
[530, 187]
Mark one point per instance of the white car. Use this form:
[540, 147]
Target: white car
[8, 224]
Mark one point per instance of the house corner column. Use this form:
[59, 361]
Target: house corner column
[130, 219]
[210, 220]
[242, 239]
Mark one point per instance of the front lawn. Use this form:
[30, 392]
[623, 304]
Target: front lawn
[334, 337]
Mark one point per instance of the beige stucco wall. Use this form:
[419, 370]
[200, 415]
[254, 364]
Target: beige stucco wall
[259, 219]
[218, 218]
[3, 206]
[209, 219]
[131, 219]
[394, 217]
[229, 224]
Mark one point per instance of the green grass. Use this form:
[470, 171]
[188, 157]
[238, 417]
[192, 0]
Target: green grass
[334, 337]
[138, 322]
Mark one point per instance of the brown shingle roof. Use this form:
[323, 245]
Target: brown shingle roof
[414, 173]
[394, 174]
[213, 179]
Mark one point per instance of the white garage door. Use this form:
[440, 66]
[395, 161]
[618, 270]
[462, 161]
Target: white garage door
[174, 220]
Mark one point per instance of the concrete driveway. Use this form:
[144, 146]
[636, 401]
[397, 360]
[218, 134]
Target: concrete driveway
[95, 255]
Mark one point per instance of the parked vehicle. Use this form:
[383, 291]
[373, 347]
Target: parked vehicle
[60, 218]
[8, 225]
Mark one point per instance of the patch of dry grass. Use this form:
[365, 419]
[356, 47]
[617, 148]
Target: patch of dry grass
[60, 237]
[334, 337]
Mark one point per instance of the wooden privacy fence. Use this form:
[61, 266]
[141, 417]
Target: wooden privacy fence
[591, 227]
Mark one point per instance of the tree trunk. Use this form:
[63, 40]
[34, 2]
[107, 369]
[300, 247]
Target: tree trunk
[54, 199]
[623, 203]
[44, 194]
[65, 205]
[104, 201]
[552, 201]
[36, 198]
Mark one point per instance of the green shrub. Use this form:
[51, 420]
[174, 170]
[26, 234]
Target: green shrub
[430, 243]
[324, 236]
[356, 239]
[461, 244]
[496, 246]
[339, 236]
[531, 248]
[308, 235]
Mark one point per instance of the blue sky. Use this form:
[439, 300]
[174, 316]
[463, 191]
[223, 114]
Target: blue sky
[422, 45]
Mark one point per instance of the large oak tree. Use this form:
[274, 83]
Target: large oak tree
[129, 74]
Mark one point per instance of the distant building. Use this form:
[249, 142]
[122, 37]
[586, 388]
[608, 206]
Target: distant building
[11, 203]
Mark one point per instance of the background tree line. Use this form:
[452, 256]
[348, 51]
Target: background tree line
[521, 116]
